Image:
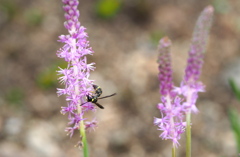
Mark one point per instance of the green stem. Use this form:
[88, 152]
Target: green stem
[188, 135]
[84, 139]
[173, 151]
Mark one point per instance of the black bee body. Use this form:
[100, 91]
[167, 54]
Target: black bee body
[98, 90]
[94, 98]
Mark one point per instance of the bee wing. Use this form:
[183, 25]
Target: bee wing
[100, 106]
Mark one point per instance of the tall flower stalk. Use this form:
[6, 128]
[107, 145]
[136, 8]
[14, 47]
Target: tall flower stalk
[177, 103]
[76, 76]
[194, 66]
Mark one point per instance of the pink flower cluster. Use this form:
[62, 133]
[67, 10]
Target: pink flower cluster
[76, 76]
[176, 102]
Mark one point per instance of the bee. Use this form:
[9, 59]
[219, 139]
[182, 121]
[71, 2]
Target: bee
[94, 98]
[98, 90]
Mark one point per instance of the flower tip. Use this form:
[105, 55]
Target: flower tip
[209, 9]
[165, 42]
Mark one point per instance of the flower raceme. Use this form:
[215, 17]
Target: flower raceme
[76, 76]
[176, 102]
[171, 124]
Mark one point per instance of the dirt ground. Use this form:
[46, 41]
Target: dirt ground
[125, 48]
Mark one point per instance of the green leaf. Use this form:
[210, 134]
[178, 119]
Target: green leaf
[234, 88]
[9, 8]
[107, 8]
[33, 17]
[15, 97]
[221, 6]
[235, 125]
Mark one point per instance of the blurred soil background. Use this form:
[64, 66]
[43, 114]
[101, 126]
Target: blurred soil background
[124, 36]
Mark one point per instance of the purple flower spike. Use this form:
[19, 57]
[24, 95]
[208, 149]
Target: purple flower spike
[76, 76]
[165, 69]
[198, 45]
[190, 85]
[177, 102]
[171, 110]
